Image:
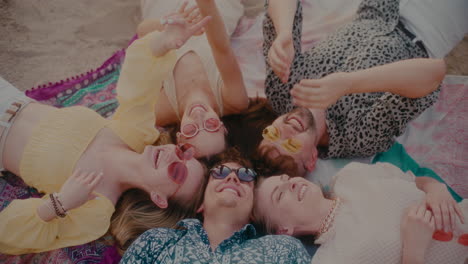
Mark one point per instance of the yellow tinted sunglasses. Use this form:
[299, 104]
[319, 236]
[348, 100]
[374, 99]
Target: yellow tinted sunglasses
[272, 134]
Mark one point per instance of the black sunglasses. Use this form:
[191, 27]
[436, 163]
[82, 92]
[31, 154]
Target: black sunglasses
[244, 174]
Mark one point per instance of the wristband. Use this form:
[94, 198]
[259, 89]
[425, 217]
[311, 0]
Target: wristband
[54, 203]
[60, 203]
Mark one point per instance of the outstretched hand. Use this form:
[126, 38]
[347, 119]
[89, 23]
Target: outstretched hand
[320, 93]
[175, 33]
[281, 55]
[78, 189]
[191, 15]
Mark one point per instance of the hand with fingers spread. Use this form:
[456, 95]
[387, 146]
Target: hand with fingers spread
[321, 93]
[175, 33]
[191, 15]
[78, 189]
[281, 55]
[443, 206]
[417, 226]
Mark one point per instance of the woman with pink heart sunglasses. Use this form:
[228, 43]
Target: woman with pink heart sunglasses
[99, 159]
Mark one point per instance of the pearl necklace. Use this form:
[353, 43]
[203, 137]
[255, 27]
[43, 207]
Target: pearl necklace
[330, 217]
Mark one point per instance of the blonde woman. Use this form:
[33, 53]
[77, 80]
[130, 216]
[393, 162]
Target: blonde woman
[78, 205]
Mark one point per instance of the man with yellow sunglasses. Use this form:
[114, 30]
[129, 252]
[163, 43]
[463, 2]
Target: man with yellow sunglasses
[290, 142]
[356, 98]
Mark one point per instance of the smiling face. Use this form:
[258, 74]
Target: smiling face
[202, 128]
[176, 175]
[229, 193]
[293, 135]
[285, 203]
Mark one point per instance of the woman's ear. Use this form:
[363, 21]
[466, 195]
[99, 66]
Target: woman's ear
[201, 209]
[159, 200]
[285, 231]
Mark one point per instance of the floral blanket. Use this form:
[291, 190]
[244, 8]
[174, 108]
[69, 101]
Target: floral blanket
[96, 90]
[438, 139]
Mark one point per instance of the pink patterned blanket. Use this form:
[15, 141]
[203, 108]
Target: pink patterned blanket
[438, 139]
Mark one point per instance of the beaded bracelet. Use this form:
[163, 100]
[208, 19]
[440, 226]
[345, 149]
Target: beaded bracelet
[54, 203]
[61, 205]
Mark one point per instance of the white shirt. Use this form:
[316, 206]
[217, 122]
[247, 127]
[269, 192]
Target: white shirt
[366, 228]
[440, 24]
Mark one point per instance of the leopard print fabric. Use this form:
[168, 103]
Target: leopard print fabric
[359, 125]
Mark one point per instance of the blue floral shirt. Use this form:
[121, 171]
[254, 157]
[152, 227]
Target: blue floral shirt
[191, 245]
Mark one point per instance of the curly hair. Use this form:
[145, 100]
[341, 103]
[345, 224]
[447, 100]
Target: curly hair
[231, 154]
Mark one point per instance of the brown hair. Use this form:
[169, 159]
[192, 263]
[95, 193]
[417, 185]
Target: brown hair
[245, 129]
[135, 213]
[263, 223]
[281, 164]
[229, 155]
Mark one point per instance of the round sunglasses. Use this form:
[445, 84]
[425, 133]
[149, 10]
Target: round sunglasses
[190, 130]
[244, 174]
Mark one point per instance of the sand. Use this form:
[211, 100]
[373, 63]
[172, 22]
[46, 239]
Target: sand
[49, 40]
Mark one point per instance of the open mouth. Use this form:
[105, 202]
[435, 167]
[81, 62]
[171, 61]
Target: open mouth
[230, 189]
[156, 158]
[298, 122]
[197, 107]
[301, 193]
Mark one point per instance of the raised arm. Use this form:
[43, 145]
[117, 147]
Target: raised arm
[282, 13]
[148, 62]
[413, 78]
[281, 53]
[234, 93]
[191, 15]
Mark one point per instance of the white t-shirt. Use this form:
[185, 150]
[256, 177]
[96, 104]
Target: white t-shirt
[440, 24]
[366, 228]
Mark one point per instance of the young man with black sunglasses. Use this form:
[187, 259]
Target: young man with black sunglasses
[225, 235]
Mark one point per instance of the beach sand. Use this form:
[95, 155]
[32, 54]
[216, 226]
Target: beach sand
[49, 40]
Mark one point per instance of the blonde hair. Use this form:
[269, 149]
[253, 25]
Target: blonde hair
[136, 213]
